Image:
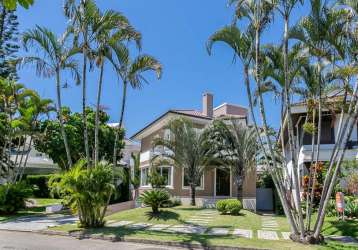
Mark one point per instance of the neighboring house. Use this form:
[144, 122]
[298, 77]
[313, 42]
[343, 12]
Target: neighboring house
[37, 163]
[216, 183]
[329, 131]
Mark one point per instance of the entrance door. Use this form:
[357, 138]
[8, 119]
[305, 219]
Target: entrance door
[222, 182]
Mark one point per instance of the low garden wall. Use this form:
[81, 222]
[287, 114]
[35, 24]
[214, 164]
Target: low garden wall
[118, 207]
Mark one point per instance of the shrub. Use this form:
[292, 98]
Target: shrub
[231, 206]
[172, 202]
[331, 208]
[155, 198]
[351, 208]
[221, 206]
[39, 184]
[86, 191]
[13, 196]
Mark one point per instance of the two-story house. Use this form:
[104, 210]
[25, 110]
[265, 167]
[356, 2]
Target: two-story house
[215, 183]
[329, 134]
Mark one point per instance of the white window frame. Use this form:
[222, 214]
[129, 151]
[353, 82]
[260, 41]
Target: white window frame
[150, 185]
[202, 180]
[141, 177]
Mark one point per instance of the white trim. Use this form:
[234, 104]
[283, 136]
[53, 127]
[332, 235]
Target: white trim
[202, 187]
[149, 186]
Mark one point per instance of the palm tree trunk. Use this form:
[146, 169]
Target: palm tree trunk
[99, 93]
[192, 195]
[320, 217]
[60, 117]
[27, 158]
[84, 104]
[340, 137]
[124, 97]
[292, 146]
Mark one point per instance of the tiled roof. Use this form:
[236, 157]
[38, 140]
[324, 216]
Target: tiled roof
[191, 112]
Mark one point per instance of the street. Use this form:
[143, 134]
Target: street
[32, 241]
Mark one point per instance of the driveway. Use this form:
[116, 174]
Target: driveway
[32, 241]
[36, 223]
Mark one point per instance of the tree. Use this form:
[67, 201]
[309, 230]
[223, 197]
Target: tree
[113, 28]
[135, 174]
[50, 141]
[84, 35]
[188, 149]
[131, 71]
[55, 58]
[236, 147]
[8, 43]
[12, 4]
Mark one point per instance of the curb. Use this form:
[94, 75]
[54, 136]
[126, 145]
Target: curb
[113, 238]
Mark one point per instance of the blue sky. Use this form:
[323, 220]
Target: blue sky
[175, 32]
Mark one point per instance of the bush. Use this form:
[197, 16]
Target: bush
[86, 191]
[331, 208]
[173, 202]
[155, 198]
[13, 196]
[39, 184]
[231, 206]
[351, 207]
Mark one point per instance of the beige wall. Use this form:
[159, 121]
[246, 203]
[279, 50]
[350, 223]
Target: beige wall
[249, 185]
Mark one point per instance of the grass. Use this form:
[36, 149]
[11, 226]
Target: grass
[39, 209]
[178, 215]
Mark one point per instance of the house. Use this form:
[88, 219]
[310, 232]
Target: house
[37, 163]
[329, 134]
[215, 183]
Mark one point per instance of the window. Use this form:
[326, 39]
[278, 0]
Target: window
[144, 176]
[200, 183]
[166, 172]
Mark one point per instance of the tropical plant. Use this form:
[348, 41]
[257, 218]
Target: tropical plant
[86, 191]
[188, 149]
[114, 28]
[54, 58]
[135, 174]
[326, 38]
[13, 196]
[155, 198]
[131, 71]
[236, 147]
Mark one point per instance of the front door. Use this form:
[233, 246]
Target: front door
[222, 182]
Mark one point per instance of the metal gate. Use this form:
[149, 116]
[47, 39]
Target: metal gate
[264, 199]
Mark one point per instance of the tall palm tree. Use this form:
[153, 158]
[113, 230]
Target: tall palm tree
[244, 48]
[111, 30]
[188, 149]
[131, 71]
[236, 147]
[81, 17]
[54, 58]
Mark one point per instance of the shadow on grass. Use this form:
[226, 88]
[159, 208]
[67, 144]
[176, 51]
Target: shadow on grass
[339, 227]
[183, 238]
[162, 215]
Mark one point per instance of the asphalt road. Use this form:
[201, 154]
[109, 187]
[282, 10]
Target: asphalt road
[33, 241]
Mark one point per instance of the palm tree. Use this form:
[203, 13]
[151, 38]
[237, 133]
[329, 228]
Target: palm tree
[135, 175]
[236, 147]
[81, 26]
[112, 28]
[187, 149]
[55, 57]
[131, 72]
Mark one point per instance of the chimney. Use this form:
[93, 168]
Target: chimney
[208, 104]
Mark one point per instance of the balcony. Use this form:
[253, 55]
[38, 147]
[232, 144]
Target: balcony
[149, 154]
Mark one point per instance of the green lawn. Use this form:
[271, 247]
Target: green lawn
[178, 215]
[39, 209]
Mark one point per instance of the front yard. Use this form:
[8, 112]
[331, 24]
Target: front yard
[182, 215]
[38, 208]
